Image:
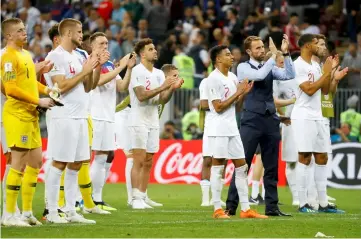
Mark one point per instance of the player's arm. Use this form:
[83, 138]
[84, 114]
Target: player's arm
[123, 85]
[122, 105]
[43, 89]
[244, 70]
[282, 103]
[165, 95]
[286, 73]
[2, 88]
[204, 105]
[245, 89]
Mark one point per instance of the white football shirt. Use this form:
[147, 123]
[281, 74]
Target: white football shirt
[285, 90]
[145, 113]
[307, 107]
[221, 87]
[76, 100]
[103, 98]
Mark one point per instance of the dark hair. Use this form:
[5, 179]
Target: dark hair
[295, 55]
[96, 35]
[202, 34]
[233, 11]
[169, 122]
[275, 21]
[139, 46]
[86, 36]
[215, 51]
[294, 14]
[305, 38]
[53, 32]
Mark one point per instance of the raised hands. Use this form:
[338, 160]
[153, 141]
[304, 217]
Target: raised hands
[327, 67]
[131, 60]
[285, 44]
[272, 47]
[90, 64]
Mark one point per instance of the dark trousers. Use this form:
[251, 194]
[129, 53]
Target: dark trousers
[263, 130]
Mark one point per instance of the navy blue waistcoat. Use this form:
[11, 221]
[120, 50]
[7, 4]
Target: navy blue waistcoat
[260, 98]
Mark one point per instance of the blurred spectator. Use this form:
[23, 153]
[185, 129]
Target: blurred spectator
[38, 53]
[33, 14]
[76, 11]
[186, 67]
[47, 49]
[188, 19]
[253, 25]
[46, 22]
[233, 27]
[293, 32]
[183, 40]
[353, 9]
[236, 52]
[210, 23]
[113, 47]
[105, 10]
[23, 15]
[8, 9]
[200, 57]
[351, 117]
[190, 122]
[166, 52]
[91, 23]
[39, 37]
[135, 9]
[275, 32]
[100, 25]
[353, 62]
[117, 17]
[170, 131]
[218, 37]
[269, 8]
[309, 27]
[158, 19]
[142, 31]
[128, 44]
[343, 135]
[85, 45]
[196, 27]
[245, 8]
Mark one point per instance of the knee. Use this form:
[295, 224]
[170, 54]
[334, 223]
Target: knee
[148, 163]
[59, 165]
[305, 158]
[321, 159]
[75, 166]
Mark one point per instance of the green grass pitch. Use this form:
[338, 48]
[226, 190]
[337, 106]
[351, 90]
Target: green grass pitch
[182, 216]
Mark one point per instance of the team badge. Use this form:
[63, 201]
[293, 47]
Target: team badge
[24, 139]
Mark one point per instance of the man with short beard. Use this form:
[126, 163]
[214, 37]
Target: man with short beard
[260, 124]
[327, 111]
[69, 138]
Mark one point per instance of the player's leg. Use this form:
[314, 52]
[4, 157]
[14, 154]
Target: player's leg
[82, 155]
[128, 173]
[320, 174]
[206, 171]
[290, 156]
[152, 148]
[63, 143]
[311, 185]
[236, 153]
[329, 152]
[255, 197]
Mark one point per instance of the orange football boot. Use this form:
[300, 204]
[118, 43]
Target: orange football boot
[219, 213]
[252, 214]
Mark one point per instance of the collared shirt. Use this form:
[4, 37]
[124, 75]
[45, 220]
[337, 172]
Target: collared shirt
[244, 70]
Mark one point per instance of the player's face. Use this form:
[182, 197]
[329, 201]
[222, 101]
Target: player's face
[280, 61]
[226, 58]
[77, 35]
[18, 34]
[173, 74]
[150, 53]
[257, 50]
[100, 43]
[322, 49]
[314, 46]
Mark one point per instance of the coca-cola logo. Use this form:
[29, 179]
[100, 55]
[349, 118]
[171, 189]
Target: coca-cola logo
[172, 166]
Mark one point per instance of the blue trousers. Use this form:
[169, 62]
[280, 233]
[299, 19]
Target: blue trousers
[263, 130]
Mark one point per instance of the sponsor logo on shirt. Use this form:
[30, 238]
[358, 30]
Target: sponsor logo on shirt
[24, 139]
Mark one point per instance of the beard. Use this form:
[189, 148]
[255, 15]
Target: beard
[75, 42]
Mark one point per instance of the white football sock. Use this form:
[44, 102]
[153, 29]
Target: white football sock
[242, 186]
[70, 188]
[321, 183]
[97, 174]
[216, 185]
[311, 186]
[107, 171]
[128, 178]
[52, 185]
[255, 189]
[291, 179]
[135, 194]
[205, 186]
[301, 182]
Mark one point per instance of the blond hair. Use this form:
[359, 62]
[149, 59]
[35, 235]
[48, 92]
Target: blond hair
[66, 23]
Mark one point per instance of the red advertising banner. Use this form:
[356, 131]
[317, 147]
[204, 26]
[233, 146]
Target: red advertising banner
[177, 162]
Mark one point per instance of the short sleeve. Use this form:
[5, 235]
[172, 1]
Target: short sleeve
[301, 75]
[137, 79]
[213, 90]
[58, 68]
[8, 67]
[203, 91]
